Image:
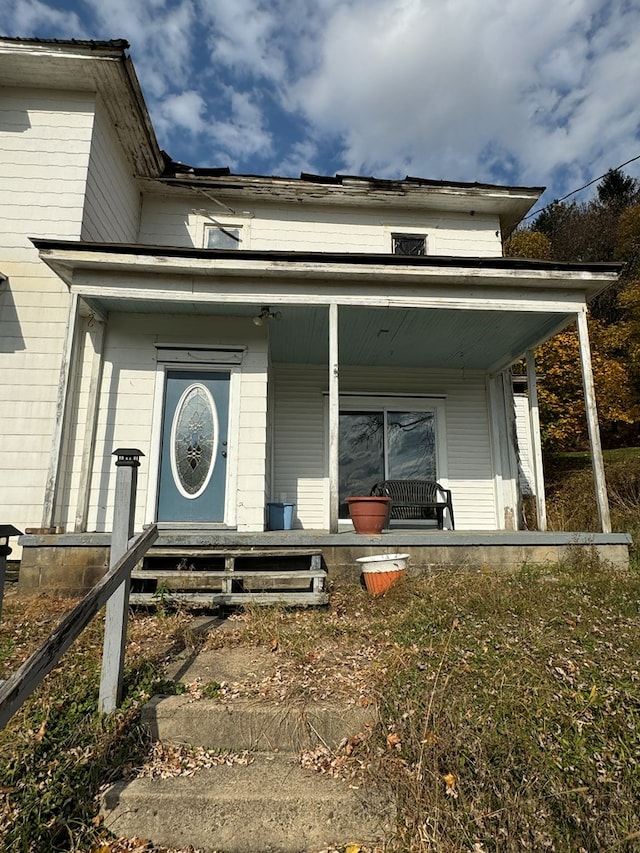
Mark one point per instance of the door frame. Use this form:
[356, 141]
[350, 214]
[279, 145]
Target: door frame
[155, 447]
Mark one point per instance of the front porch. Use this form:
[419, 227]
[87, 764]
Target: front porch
[67, 563]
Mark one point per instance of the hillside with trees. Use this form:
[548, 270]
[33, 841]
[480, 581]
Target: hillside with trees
[606, 228]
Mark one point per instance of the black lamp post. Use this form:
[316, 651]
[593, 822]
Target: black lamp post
[6, 532]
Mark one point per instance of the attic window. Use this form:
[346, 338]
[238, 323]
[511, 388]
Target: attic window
[409, 244]
[222, 237]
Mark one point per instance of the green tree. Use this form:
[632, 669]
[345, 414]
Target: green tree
[605, 228]
[528, 244]
[617, 189]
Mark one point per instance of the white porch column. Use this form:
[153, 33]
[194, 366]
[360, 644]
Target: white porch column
[64, 392]
[536, 442]
[334, 417]
[94, 333]
[597, 461]
[504, 456]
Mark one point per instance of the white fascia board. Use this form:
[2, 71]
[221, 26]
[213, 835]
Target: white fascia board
[65, 261]
[374, 294]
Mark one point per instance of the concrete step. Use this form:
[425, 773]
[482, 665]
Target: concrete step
[271, 805]
[248, 720]
[243, 724]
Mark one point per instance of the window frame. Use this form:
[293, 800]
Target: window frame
[409, 229]
[207, 221]
[411, 235]
[227, 229]
[392, 403]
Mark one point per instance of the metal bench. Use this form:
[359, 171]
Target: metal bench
[416, 499]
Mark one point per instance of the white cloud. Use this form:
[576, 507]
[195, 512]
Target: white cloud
[243, 134]
[21, 17]
[435, 85]
[184, 111]
[301, 157]
[523, 91]
[161, 34]
[242, 37]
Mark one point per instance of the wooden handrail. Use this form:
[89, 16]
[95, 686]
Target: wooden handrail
[17, 689]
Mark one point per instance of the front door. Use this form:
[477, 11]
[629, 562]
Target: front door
[193, 461]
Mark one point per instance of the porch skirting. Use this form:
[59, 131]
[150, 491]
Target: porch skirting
[69, 563]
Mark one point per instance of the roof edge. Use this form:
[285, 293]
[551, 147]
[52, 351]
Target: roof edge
[354, 258]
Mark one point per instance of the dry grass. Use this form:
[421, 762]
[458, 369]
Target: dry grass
[510, 708]
[570, 493]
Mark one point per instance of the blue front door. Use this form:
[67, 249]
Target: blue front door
[193, 462]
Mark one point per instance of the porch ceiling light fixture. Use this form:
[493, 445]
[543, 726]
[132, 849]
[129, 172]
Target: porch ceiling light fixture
[266, 314]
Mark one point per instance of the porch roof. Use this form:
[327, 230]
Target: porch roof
[66, 256]
[469, 313]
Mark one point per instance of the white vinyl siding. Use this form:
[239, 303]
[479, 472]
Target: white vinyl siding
[127, 405]
[167, 221]
[299, 436]
[112, 204]
[45, 140]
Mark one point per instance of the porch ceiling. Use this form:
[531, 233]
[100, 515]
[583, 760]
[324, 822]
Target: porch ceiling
[416, 337]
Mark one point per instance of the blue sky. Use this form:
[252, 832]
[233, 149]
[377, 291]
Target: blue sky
[532, 92]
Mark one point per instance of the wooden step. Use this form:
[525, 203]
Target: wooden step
[176, 579]
[223, 599]
[205, 552]
[230, 576]
[226, 581]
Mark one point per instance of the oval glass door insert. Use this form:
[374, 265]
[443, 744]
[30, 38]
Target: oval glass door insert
[194, 441]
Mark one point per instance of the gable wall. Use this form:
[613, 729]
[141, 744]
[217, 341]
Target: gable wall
[177, 223]
[299, 436]
[45, 140]
[112, 204]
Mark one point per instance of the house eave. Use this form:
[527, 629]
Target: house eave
[509, 204]
[100, 68]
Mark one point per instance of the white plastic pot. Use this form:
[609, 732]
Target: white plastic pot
[382, 570]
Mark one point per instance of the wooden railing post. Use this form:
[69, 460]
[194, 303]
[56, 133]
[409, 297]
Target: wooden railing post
[115, 628]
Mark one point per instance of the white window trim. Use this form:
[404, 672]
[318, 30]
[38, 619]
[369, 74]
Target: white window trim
[210, 220]
[230, 508]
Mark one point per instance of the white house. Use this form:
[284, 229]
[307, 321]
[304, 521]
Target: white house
[321, 333]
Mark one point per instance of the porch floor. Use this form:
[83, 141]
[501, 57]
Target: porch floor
[73, 561]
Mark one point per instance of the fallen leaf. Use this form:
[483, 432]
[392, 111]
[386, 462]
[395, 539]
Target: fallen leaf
[393, 740]
[354, 741]
[450, 781]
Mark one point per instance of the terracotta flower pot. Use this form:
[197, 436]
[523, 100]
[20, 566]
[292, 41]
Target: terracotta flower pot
[369, 514]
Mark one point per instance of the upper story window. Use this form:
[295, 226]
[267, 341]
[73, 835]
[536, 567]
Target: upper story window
[223, 236]
[409, 244]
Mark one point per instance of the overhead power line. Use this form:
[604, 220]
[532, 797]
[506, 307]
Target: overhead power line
[584, 187]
